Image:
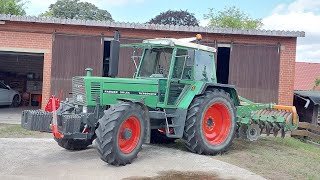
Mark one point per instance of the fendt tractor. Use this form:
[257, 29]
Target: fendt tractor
[174, 94]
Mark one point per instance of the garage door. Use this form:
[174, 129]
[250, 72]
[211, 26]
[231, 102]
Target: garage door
[71, 55]
[254, 69]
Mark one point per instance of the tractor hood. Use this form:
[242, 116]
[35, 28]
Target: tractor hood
[109, 90]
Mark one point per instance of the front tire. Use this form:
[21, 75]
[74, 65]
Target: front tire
[211, 123]
[121, 133]
[15, 101]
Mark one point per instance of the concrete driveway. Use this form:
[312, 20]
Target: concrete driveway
[44, 159]
[10, 115]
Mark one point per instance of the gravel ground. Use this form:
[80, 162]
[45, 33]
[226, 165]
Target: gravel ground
[31, 158]
[12, 115]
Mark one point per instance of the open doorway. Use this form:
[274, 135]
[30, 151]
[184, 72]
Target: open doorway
[223, 61]
[21, 79]
[106, 58]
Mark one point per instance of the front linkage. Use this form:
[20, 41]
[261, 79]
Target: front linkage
[68, 126]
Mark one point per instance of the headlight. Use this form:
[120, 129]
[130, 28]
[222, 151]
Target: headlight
[79, 98]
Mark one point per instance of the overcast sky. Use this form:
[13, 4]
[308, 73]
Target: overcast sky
[300, 15]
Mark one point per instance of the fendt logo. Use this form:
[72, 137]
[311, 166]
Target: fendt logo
[130, 92]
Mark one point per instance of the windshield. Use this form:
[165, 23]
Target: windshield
[156, 63]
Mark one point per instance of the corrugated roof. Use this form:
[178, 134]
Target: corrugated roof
[50, 20]
[314, 96]
[305, 75]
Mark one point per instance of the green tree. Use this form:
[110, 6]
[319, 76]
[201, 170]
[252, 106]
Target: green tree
[13, 7]
[232, 17]
[316, 83]
[74, 9]
[181, 18]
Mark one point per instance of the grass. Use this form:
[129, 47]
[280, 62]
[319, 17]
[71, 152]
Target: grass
[16, 131]
[272, 158]
[276, 158]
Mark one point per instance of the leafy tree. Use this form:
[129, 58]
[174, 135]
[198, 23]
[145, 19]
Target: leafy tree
[13, 7]
[316, 83]
[170, 17]
[74, 9]
[232, 17]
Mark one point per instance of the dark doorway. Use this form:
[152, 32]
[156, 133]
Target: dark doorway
[106, 58]
[223, 60]
[23, 73]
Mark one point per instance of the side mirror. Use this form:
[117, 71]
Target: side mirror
[114, 55]
[8, 87]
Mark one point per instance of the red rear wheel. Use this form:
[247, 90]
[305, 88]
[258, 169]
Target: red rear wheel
[216, 123]
[129, 135]
[211, 123]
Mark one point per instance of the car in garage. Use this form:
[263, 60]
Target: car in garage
[9, 96]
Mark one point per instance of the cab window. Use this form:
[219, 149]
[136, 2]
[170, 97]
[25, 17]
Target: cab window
[204, 66]
[183, 65]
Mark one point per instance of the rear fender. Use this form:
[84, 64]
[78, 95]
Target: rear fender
[141, 103]
[226, 87]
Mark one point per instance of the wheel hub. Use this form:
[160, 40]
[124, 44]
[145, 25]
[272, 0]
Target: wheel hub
[126, 134]
[253, 132]
[210, 123]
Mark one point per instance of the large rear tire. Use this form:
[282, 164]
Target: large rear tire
[211, 123]
[73, 144]
[121, 133]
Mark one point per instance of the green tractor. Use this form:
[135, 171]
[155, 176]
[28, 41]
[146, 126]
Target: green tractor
[174, 94]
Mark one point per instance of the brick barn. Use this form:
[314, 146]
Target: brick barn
[41, 55]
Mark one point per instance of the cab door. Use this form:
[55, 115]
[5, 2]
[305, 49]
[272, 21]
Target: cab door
[180, 73]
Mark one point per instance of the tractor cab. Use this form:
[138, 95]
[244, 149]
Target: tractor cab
[176, 63]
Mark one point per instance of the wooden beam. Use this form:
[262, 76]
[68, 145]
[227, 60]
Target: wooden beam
[309, 126]
[306, 133]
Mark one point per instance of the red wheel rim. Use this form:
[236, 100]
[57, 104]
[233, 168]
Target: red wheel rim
[129, 135]
[216, 123]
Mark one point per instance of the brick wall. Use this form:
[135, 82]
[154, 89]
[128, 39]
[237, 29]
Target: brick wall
[39, 35]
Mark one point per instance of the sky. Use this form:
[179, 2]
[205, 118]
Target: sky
[294, 15]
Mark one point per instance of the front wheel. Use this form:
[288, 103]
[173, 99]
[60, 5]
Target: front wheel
[121, 133]
[211, 123]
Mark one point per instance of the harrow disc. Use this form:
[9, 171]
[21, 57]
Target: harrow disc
[268, 128]
[283, 133]
[243, 131]
[276, 129]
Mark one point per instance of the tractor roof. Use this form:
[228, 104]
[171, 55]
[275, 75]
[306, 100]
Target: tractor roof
[170, 42]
